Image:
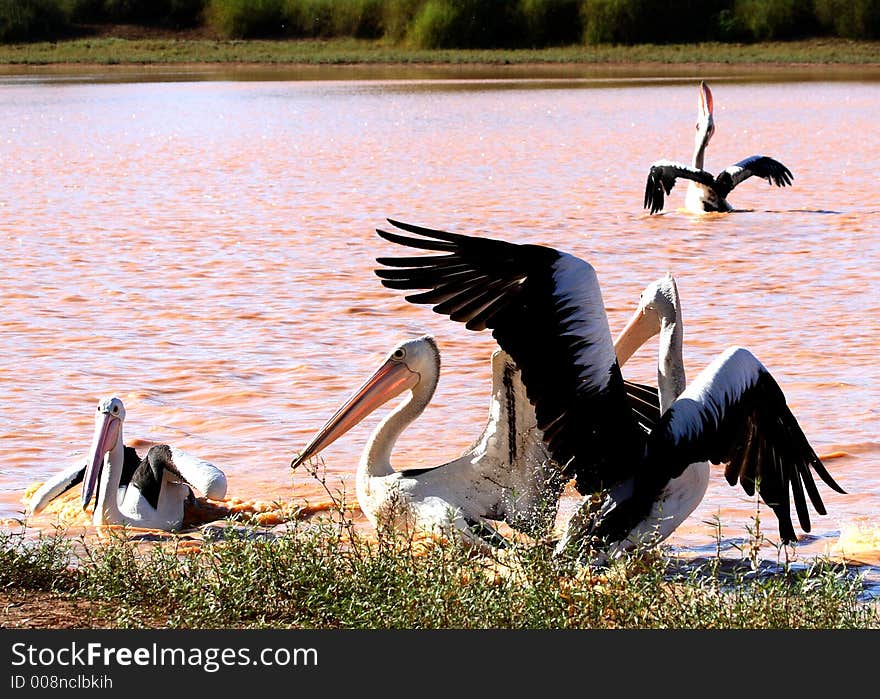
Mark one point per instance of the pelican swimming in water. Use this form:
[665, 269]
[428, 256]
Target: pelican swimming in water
[545, 309]
[149, 492]
[506, 474]
[707, 192]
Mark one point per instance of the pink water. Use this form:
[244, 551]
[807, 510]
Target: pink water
[205, 249]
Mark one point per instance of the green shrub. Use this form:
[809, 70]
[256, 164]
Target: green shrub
[243, 19]
[398, 15]
[730, 26]
[357, 18]
[328, 576]
[40, 564]
[434, 25]
[774, 19]
[647, 21]
[31, 20]
[299, 18]
[549, 22]
[614, 21]
[853, 19]
[308, 17]
[464, 24]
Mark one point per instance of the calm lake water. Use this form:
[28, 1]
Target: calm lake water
[204, 249]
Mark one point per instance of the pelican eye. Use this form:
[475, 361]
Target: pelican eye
[115, 408]
[399, 353]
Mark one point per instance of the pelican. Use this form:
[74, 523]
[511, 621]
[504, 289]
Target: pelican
[149, 492]
[545, 309]
[705, 191]
[506, 474]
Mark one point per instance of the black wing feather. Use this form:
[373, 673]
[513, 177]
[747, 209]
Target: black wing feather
[662, 177]
[736, 414]
[130, 463]
[645, 403]
[581, 406]
[754, 166]
[150, 472]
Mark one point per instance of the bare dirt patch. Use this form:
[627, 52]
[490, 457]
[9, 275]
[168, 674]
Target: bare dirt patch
[28, 609]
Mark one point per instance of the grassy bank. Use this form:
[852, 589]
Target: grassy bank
[169, 51]
[329, 577]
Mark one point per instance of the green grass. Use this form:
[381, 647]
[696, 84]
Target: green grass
[42, 565]
[355, 51]
[328, 576]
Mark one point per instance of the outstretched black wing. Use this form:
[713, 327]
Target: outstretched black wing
[734, 413]
[755, 166]
[545, 309]
[662, 177]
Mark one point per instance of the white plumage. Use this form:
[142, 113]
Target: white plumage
[705, 191]
[506, 474]
[149, 492]
[650, 476]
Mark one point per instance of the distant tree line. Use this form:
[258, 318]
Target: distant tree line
[460, 23]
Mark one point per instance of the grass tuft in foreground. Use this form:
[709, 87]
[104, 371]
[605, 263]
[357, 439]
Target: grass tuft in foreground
[35, 565]
[329, 576]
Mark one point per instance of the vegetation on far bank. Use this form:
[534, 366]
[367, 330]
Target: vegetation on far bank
[329, 576]
[427, 24]
[167, 51]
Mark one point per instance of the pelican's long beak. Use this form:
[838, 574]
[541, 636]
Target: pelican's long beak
[707, 108]
[706, 115]
[389, 381]
[105, 438]
[640, 328]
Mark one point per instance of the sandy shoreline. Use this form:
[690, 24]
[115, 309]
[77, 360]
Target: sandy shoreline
[543, 71]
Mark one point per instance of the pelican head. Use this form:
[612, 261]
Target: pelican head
[413, 363]
[658, 305]
[109, 417]
[705, 118]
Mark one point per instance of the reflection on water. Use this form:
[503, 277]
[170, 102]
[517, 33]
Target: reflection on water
[205, 249]
[477, 76]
